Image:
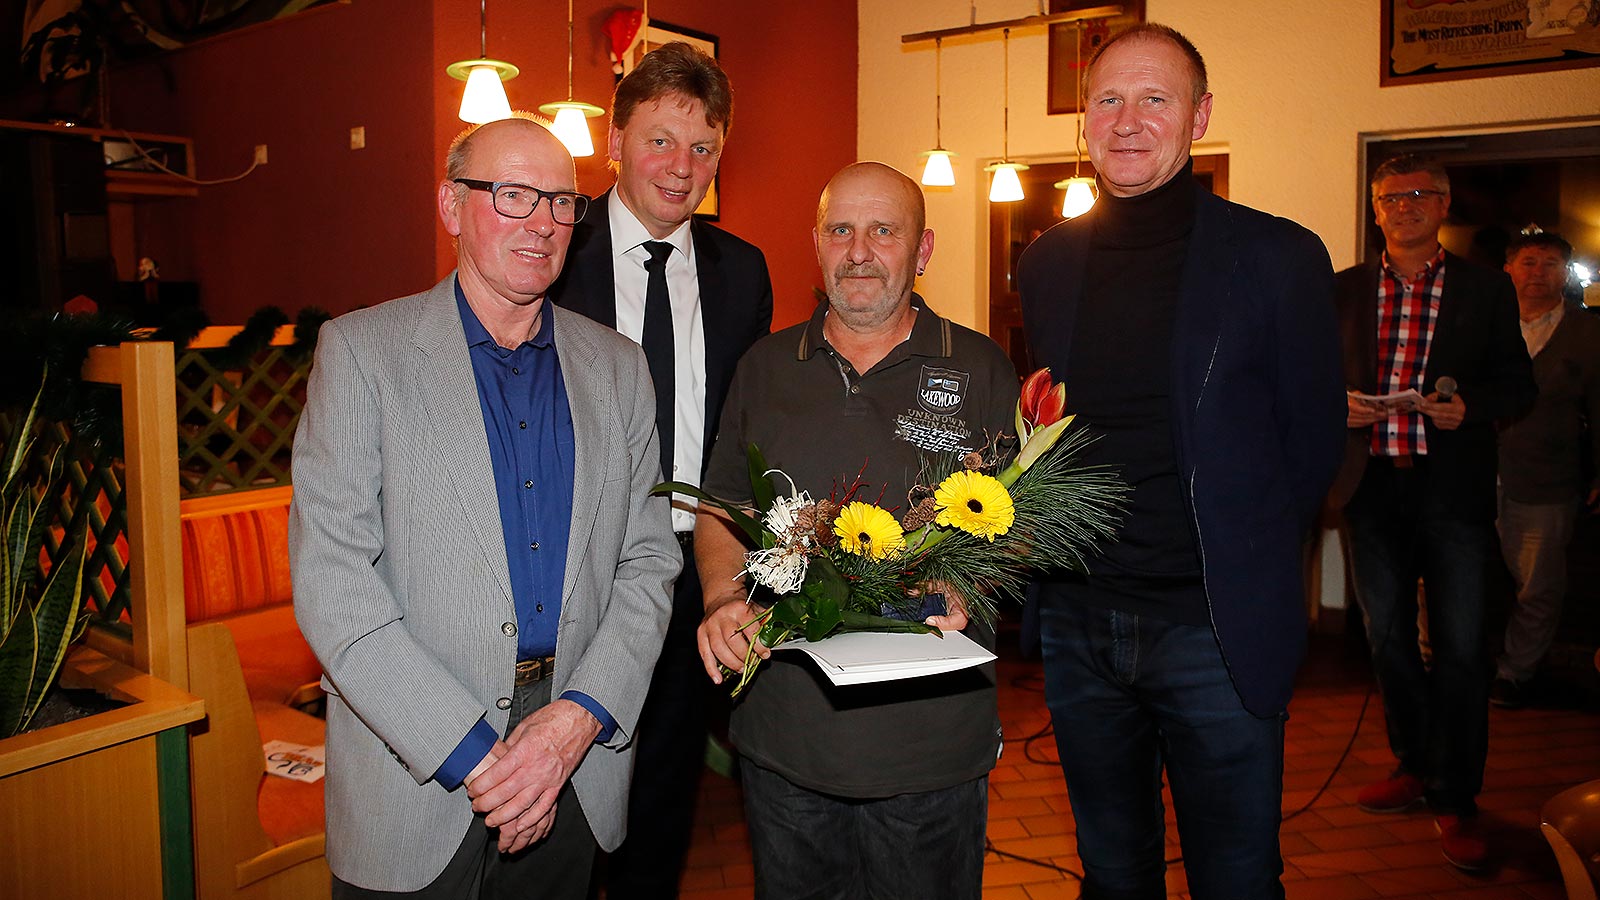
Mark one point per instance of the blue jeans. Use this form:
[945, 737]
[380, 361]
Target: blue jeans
[813, 846]
[1129, 695]
[1438, 716]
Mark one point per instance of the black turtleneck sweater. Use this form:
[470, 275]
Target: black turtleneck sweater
[1120, 382]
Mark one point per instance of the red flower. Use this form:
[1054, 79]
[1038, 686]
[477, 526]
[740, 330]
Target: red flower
[1043, 402]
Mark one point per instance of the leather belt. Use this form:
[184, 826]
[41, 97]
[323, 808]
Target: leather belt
[531, 670]
[1403, 461]
[685, 539]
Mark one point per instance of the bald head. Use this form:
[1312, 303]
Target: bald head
[880, 179]
[521, 126]
[872, 242]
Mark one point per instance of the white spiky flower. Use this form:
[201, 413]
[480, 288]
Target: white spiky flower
[784, 513]
[782, 569]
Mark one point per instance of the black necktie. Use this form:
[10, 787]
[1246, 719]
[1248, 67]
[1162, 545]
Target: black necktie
[657, 342]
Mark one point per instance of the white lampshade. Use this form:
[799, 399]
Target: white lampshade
[938, 172]
[571, 125]
[484, 100]
[1080, 196]
[572, 128]
[1006, 187]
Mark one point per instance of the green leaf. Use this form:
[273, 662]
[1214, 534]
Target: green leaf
[56, 619]
[17, 656]
[748, 525]
[858, 621]
[17, 450]
[825, 617]
[789, 612]
[830, 580]
[760, 482]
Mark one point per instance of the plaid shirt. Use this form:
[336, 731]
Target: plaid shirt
[1407, 311]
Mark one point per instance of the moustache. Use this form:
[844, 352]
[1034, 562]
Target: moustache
[864, 270]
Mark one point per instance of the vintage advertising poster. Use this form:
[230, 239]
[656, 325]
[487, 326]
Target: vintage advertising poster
[1437, 40]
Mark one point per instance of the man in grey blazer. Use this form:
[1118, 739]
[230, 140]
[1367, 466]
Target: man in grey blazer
[477, 561]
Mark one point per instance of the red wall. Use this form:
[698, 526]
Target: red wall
[322, 225]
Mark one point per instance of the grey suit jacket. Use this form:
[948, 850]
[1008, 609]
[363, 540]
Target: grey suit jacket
[401, 583]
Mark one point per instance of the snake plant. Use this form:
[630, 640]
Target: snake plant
[40, 616]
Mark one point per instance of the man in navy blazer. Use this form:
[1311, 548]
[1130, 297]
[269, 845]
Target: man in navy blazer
[639, 251]
[1197, 338]
[1418, 489]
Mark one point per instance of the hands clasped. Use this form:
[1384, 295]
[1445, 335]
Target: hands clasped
[518, 782]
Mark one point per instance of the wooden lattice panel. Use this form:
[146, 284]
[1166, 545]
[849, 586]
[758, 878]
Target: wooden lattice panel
[235, 426]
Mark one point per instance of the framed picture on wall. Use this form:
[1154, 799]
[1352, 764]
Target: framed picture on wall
[1424, 42]
[1065, 49]
[656, 34]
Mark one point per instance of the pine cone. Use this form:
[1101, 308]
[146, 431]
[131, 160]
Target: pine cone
[806, 519]
[972, 461]
[825, 511]
[920, 515]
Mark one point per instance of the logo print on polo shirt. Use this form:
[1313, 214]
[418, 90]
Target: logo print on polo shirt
[942, 391]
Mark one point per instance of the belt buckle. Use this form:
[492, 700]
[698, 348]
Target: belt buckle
[531, 670]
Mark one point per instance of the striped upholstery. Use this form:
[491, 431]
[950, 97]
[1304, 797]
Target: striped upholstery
[236, 571]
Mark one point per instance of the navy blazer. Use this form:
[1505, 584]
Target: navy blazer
[1477, 340]
[735, 295]
[1258, 412]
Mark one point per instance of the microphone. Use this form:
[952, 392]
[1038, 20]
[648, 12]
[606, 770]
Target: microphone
[1446, 386]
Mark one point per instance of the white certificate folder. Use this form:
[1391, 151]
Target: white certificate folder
[863, 657]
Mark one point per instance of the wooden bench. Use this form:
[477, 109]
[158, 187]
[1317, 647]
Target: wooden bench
[256, 836]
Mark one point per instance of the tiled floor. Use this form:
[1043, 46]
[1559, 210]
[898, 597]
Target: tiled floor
[1332, 851]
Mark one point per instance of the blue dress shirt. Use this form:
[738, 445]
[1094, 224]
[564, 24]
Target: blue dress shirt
[529, 425]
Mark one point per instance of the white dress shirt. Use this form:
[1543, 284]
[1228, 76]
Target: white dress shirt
[1536, 332]
[628, 257]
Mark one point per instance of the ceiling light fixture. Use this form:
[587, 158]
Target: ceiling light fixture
[937, 171]
[1005, 187]
[572, 116]
[1080, 197]
[484, 99]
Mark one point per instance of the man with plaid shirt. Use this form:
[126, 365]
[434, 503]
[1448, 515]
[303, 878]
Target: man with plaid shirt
[1418, 488]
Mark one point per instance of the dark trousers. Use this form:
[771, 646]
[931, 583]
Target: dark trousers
[1438, 717]
[556, 868]
[1129, 695]
[668, 757]
[812, 846]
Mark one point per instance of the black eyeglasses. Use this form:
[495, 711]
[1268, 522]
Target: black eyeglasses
[1414, 196]
[518, 201]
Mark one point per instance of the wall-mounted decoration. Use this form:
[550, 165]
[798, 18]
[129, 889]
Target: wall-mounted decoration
[1064, 75]
[657, 33]
[1434, 40]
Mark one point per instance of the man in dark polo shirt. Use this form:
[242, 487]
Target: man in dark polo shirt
[872, 790]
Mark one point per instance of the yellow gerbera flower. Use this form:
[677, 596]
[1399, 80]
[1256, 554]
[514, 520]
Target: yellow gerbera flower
[975, 503]
[868, 530]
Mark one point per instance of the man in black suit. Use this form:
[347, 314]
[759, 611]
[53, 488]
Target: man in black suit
[1419, 481]
[1196, 336]
[695, 297]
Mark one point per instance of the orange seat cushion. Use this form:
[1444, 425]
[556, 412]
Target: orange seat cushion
[235, 562]
[275, 658]
[289, 809]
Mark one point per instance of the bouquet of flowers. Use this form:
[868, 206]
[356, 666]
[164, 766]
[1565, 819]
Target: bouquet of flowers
[977, 524]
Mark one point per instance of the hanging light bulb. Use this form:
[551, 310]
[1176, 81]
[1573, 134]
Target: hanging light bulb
[937, 171]
[1005, 187]
[571, 116]
[1079, 197]
[484, 99]
[1080, 194]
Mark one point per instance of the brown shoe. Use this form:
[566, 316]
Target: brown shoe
[1397, 793]
[1462, 842]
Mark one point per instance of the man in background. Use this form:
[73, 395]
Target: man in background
[1417, 488]
[1197, 338]
[695, 297]
[1549, 459]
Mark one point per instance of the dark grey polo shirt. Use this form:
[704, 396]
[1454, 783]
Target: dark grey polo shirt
[824, 423]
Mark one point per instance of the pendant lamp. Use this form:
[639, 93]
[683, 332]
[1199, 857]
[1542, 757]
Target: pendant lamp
[1080, 195]
[937, 171]
[484, 99]
[571, 116]
[1005, 186]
